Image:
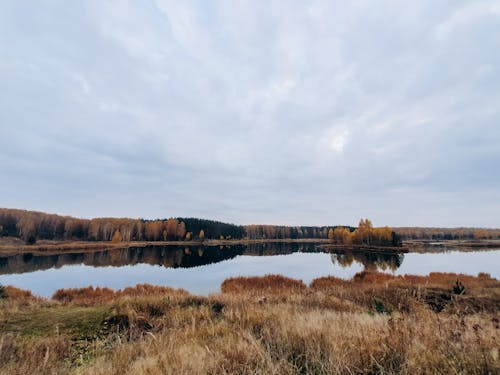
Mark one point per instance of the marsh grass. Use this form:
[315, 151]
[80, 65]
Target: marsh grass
[268, 325]
[91, 296]
[266, 284]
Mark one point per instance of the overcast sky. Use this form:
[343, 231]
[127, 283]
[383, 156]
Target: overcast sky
[279, 112]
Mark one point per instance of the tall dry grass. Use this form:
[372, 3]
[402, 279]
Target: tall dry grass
[274, 325]
[264, 284]
[95, 295]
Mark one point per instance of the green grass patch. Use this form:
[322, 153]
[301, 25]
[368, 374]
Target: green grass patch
[73, 321]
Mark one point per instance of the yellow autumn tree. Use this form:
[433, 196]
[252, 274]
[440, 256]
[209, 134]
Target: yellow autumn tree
[342, 236]
[117, 237]
[383, 236]
[363, 235]
[153, 230]
[330, 235]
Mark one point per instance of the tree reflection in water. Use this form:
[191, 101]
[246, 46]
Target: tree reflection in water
[186, 257]
[372, 261]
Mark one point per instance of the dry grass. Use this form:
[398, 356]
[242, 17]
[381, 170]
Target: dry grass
[435, 279]
[264, 284]
[269, 325]
[19, 294]
[94, 296]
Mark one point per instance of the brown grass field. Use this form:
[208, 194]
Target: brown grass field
[375, 324]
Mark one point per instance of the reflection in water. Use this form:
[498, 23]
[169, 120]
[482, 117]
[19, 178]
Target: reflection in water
[186, 257]
[201, 270]
[372, 261]
[170, 257]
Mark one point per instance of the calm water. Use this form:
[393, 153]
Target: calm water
[201, 270]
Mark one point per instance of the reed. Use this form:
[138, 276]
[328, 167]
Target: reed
[267, 325]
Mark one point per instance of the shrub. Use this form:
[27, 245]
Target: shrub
[373, 277]
[328, 282]
[268, 283]
[84, 296]
[382, 307]
[3, 293]
[17, 294]
[95, 295]
[458, 288]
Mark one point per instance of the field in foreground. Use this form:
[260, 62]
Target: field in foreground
[374, 323]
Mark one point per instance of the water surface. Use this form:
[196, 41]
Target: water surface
[201, 270]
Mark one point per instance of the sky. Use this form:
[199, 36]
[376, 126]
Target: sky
[277, 112]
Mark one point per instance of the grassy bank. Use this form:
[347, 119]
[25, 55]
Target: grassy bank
[374, 323]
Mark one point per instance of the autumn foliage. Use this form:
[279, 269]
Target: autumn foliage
[364, 234]
[31, 226]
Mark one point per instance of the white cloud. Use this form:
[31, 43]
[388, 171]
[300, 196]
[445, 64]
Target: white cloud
[338, 141]
[467, 14]
[279, 90]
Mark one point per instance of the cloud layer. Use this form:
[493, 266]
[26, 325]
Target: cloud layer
[286, 112]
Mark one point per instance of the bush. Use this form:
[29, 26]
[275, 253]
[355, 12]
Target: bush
[3, 292]
[267, 283]
[458, 288]
[382, 307]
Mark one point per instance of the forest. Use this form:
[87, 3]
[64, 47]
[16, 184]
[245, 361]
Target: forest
[32, 226]
[418, 233]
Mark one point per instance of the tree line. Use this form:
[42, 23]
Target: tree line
[31, 226]
[364, 234]
[287, 232]
[214, 229]
[418, 233]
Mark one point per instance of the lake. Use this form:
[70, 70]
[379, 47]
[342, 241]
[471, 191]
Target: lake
[202, 269]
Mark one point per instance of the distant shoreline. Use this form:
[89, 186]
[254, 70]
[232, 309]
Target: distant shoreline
[45, 246]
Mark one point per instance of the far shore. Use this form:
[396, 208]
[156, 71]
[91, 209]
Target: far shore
[47, 246]
[44, 246]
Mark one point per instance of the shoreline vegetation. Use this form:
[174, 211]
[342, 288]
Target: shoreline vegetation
[12, 247]
[46, 247]
[373, 323]
[32, 231]
[30, 227]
